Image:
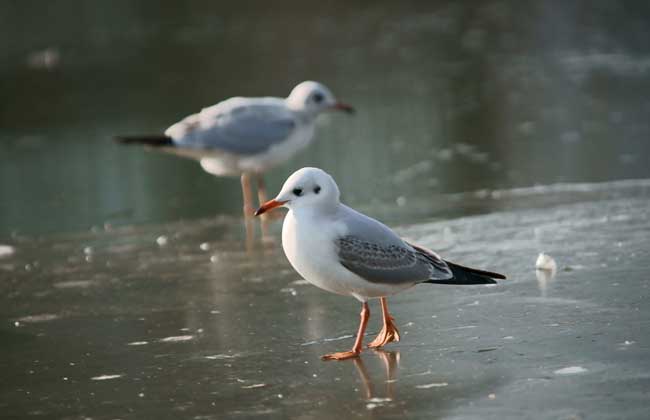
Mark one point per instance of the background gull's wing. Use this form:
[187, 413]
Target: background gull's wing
[242, 126]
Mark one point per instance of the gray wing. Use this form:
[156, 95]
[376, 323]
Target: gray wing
[242, 126]
[374, 252]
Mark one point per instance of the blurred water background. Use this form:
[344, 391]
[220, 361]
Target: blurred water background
[452, 96]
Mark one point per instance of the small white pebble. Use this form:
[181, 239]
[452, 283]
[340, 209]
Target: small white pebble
[545, 262]
[204, 246]
[162, 240]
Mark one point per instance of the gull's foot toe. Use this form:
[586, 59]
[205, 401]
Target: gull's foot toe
[388, 334]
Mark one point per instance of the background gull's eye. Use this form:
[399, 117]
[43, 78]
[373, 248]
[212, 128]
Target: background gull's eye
[318, 97]
[297, 192]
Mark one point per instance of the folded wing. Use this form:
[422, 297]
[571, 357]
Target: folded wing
[242, 126]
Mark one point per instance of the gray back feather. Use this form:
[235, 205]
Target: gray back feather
[375, 253]
[238, 126]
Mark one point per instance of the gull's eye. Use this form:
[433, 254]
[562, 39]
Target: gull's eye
[316, 189]
[297, 192]
[318, 97]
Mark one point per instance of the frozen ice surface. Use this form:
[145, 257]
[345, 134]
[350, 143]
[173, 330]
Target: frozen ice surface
[246, 338]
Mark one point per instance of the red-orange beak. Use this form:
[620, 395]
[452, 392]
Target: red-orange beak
[269, 205]
[340, 106]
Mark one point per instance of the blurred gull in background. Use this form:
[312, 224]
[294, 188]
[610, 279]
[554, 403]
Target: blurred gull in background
[247, 136]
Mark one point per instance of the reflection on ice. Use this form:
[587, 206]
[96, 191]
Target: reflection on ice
[546, 269]
[390, 361]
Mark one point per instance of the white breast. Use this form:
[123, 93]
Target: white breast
[280, 152]
[311, 250]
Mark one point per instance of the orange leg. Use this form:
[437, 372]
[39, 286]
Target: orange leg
[389, 331]
[261, 196]
[356, 349]
[248, 209]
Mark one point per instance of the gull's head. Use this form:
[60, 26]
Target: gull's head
[314, 98]
[305, 188]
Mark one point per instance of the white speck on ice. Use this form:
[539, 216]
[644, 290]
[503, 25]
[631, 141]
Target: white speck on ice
[254, 386]
[343, 337]
[433, 385]
[215, 312]
[545, 262]
[6, 250]
[105, 377]
[289, 290]
[137, 343]
[176, 339]
[204, 246]
[376, 402]
[222, 356]
[162, 240]
[571, 370]
[38, 318]
[380, 400]
[300, 282]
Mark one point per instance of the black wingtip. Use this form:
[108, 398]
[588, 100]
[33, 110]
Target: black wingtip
[467, 276]
[154, 141]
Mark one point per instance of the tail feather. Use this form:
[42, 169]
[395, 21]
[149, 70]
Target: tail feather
[466, 275]
[153, 140]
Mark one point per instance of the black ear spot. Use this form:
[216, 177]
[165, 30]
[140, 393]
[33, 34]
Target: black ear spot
[316, 189]
[297, 192]
[318, 97]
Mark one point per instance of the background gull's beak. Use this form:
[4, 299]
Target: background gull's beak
[269, 205]
[340, 106]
